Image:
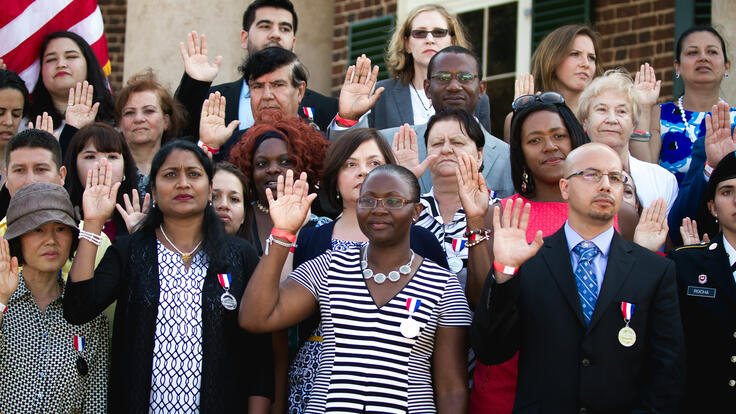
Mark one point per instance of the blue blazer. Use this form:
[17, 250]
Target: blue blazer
[393, 108]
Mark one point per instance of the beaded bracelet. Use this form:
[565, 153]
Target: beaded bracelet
[477, 236]
[95, 239]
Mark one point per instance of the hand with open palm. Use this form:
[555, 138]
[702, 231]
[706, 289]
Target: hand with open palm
[100, 194]
[509, 245]
[291, 206]
[196, 61]
[405, 149]
[357, 95]
[472, 187]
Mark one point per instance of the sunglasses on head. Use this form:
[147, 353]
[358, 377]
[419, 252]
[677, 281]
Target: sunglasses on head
[436, 33]
[547, 97]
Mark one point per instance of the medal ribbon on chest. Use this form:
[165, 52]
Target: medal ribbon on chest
[81, 364]
[410, 328]
[228, 301]
[627, 336]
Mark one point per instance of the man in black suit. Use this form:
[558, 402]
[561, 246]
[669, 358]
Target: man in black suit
[266, 23]
[595, 318]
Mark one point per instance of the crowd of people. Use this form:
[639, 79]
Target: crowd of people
[259, 247]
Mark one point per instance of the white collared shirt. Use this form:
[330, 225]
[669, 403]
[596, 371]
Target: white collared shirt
[602, 241]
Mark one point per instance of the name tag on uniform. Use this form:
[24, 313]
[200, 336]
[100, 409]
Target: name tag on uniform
[702, 292]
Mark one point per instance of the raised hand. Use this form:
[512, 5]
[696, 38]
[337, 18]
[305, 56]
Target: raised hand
[651, 232]
[132, 213]
[689, 233]
[406, 151]
[45, 123]
[509, 245]
[647, 86]
[8, 273]
[718, 138]
[196, 62]
[98, 199]
[212, 129]
[471, 187]
[357, 96]
[291, 206]
[80, 111]
[524, 85]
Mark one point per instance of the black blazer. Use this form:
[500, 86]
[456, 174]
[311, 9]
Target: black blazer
[708, 304]
[235, 364]
[192, 93]
[393, 108]
[565, 367]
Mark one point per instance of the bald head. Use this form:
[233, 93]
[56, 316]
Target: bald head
[580, 158]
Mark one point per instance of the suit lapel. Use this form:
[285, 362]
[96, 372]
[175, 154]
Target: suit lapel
[620, 263]
[402, 97]
[721, 275]
[557, 256]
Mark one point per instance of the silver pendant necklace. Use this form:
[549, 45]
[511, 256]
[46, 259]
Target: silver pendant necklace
[393, 275]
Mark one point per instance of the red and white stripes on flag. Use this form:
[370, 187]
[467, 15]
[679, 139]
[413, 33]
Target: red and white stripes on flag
[25, 23]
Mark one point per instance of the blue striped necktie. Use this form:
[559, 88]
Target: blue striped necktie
[585, 277]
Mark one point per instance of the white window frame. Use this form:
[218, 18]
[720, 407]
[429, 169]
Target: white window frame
[523, 26]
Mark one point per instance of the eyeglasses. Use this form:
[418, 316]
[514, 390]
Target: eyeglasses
[547, 97]
[391, 203]
[436, 33]
[595, 176]
[462, 77]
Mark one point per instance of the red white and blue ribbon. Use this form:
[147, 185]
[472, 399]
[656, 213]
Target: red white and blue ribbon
[627, 309]
[224, 279]
[78, 343]
[458, 244]
[412, 304]
[309, 112]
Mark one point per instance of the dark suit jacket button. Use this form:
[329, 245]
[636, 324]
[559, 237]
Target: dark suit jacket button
[585, 362]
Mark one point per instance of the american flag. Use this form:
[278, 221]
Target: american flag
[25, 23]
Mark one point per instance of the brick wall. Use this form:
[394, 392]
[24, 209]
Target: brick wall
[638, 31]
[346, 13]
[113, 14]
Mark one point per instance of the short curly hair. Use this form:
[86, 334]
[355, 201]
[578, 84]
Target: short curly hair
[306, 146]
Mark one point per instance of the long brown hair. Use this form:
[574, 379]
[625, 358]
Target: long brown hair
[554, 48]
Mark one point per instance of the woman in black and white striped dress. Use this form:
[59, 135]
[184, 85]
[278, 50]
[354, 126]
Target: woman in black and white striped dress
[394, 323]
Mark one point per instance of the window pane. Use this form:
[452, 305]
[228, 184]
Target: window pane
[501, 40]
[473, 22]
[501, 93]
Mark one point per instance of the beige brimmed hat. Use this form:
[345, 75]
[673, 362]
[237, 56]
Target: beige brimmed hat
[37, 204]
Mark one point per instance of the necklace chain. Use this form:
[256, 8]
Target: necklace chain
[690, 133]
[393, 275]
[261, 207]
[184, 256]
[426, 107]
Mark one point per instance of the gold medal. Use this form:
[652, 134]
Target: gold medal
[627, 336]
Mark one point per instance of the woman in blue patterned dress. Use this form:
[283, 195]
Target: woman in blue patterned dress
[702, 63]
[391, 343]
[347, 163]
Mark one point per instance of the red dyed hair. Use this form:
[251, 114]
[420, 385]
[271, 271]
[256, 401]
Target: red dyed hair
[306, 146]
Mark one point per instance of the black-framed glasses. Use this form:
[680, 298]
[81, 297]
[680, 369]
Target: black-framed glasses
[436, 33]
[391, 203]
[462, 77]
[595, 176]
[547, 97]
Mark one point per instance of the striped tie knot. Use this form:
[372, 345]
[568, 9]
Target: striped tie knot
[586, 251]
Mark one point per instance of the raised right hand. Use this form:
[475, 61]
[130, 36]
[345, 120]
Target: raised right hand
[689, 233]
[472, 187]
[212, 128]
[647, 86]
[524, 85]
[8, 273]
[291, 206]
[80, 111]
[196, 62]
[718, 138]
[509, 244]
[45, 123]
[357, 96]
[405, 149]
[100, 194]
